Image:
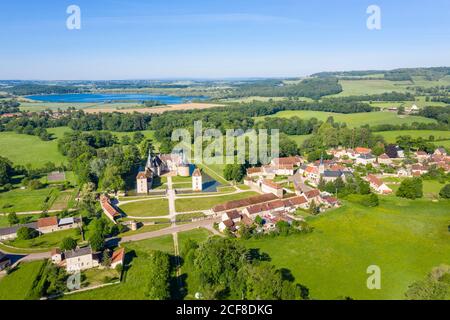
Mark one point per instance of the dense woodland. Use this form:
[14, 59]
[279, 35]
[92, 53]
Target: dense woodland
[9, 106]
[314, 88]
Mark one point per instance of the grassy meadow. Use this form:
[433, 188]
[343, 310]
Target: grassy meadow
[19, 284]
[391, 136]
[47, 241]
[354, 119]
[24, 149]
[404, 238]
[18, 200]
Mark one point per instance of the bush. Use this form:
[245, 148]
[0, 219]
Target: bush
[411, 188]
[25, 233]
[445, 192]
[68, 243]
[367, 200]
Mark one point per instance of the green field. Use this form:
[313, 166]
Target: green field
[135, 280]
[18, 284]
[59, 132]
[24, 149]
[147, 208]
[363, 87]
[35, 106]
[45, 241]
[18, 200]
[148, 228]
[205, 203]
[354, 119]
[300, 139]
[391, 136]
[404, 238]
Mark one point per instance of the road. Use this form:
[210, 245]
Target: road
[178, 228]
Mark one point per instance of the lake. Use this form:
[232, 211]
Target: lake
[106, 98]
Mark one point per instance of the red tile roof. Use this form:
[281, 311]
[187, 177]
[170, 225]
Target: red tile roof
[374, 180]
[363, 150]
[143, 175]
[108, 208]
[286, 161]
[312, 193]
[295, 201]
[254, 170]
[234, 214]
[118, 255]
[197, 173]
[47, 222]
[272, 184]
[234, 204]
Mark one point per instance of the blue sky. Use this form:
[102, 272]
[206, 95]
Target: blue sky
[146, 39]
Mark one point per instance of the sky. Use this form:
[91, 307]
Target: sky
[203, 39]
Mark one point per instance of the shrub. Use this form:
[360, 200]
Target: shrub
[25, 233]
[445, 192]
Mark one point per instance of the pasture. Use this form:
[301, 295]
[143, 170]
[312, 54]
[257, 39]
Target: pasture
[18, 285]
[18, 200]
[354, 119]
[367, 87]
[391, 136]
[404, 238]
[24, 149]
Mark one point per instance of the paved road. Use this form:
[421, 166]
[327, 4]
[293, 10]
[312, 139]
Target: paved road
[171, 197]
[171, 230]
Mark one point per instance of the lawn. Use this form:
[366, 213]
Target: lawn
[24, 149]
[147, 228]
[198, 235]
[205, 203]
[18, 200]
[98, 276]
[135, 280]
[354, 119]
[47, 241]
[404, 238]
[192, 282]
[146, 208]
[391, 136]
[18, 284]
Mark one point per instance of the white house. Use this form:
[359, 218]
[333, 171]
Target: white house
[80, 259]
[365, 159]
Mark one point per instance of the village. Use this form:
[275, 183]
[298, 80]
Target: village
[286, 188]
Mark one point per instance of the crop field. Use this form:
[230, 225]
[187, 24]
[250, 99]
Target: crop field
[355, 119]
[405, 238]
